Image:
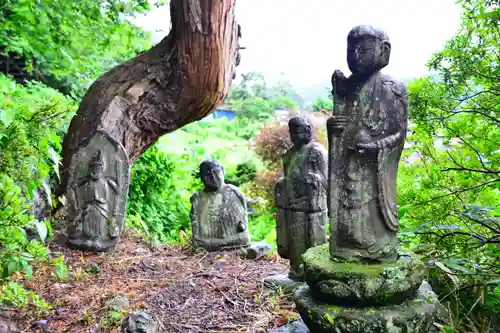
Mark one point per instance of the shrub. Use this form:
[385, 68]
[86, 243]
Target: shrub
[272, 143]
[159, 193]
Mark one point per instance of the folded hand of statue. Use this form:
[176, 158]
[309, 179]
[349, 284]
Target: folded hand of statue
[337, 123]
[339, 83]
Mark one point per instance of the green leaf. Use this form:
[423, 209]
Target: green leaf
[7, 116]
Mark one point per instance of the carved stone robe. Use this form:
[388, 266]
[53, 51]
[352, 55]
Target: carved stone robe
[219, 219]
[377, 112]
[97, 206]
[301, 204]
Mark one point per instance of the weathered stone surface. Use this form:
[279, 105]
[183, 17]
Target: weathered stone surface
[296, 326]
[219, 212]
[282, 282]
[301, 197]
[357, 284]
[139, 322]
[366, 134]
[118, 303]
[97, 193]
[415, 315]
[255, 250]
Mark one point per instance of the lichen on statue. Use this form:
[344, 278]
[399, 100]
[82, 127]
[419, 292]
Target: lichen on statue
[219, 212]
[301, 196]
[366, 135]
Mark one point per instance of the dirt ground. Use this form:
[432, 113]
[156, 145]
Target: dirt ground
[185, 292]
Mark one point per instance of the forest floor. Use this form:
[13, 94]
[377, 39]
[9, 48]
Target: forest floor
[184, 291]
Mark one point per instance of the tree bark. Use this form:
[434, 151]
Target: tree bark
[178, 81]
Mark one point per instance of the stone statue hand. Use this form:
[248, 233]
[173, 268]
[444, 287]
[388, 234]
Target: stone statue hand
[366, 145]
[337, 123]
[339, 83]
[113, 229]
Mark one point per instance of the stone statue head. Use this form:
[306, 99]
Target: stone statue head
[300, 131]
[368, 50]
[212, 175]
[96, 167]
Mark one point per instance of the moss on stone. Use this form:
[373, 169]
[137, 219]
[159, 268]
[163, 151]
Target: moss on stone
[411, 316]
[362, 284]
[319, 258]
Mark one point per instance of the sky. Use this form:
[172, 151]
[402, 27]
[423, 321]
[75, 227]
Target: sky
[306, 40]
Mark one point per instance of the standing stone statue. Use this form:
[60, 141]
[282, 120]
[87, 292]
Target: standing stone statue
[301, 196]
[366, 135]
[96, 194]
[360, 282]
[219, 212]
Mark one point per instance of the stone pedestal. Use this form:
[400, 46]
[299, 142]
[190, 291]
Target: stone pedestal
[352, 297]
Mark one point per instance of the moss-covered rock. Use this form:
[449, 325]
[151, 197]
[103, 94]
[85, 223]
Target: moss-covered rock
[415, 315]
[359, 284]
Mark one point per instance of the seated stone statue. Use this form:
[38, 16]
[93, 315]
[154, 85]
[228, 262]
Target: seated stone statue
[219, 212]
[301, 196]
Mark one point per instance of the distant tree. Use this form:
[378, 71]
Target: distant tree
[323, 105]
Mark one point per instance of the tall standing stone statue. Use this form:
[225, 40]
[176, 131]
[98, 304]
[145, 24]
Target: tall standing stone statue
[361, 282]
[219, 212]
[97, 193]
[301, 197]
[367, 134]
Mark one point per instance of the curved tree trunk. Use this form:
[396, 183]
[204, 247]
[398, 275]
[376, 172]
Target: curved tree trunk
[178, 81]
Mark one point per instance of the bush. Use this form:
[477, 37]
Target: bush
[272, 143]
[159, 193]
[32, 119]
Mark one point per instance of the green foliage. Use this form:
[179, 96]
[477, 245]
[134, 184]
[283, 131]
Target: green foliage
[159, 193]
[67, 44]
[14, 294]
[322, 104]
[32, 118]
[255, 103]
[450, 196]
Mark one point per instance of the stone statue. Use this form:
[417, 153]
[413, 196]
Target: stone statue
[360, 281]
[366, 136]
[301, 196]
[219, 212]
[96, 194]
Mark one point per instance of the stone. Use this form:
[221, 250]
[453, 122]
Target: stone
[218, 212]
[301, 196]
[118, 303]
[96, 194]
[139, 322]
[296, 326]
[255, 250]
[415, 315]
[358, 284]
[366, 134]
[282, 282]
[140, 251]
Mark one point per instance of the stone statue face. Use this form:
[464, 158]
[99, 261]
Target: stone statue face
[96, 171]
[300, 134]
[367, 54]
[213, 178]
